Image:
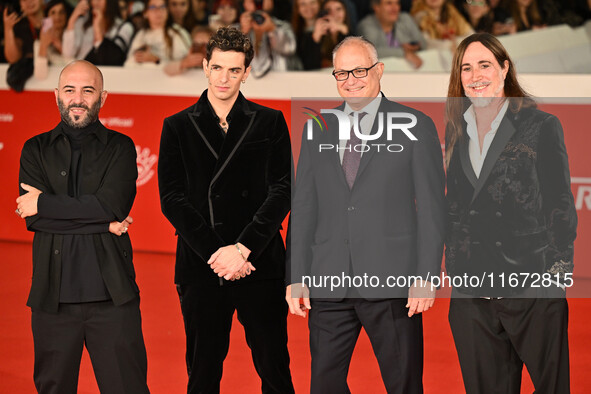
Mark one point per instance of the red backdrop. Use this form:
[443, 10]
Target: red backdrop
[25, 115]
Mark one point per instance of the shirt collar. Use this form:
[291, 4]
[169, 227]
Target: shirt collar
[239, 105]
[470, 118]
[99, 130]
[370, 109]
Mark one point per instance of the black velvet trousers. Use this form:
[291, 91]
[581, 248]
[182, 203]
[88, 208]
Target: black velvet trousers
[261, 309]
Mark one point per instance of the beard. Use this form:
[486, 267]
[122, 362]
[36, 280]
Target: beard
[480, 101]
[79, 121]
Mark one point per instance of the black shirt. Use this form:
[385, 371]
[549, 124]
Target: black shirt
[81, 279]
[87, 178]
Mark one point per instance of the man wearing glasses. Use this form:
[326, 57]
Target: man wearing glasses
[357, 212]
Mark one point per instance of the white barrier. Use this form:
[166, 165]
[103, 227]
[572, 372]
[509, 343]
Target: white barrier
[563, 54]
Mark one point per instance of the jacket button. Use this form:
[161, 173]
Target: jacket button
[125, 253]
[56, 251]
[498, 214]
[63, 173]
[473, 213]
[498, 244]
[245, 193]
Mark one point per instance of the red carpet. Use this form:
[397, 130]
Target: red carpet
[163, 331]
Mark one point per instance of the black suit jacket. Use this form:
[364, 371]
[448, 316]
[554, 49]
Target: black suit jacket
[519, 215]
[390, 223]
[218, 190]
[108, 173]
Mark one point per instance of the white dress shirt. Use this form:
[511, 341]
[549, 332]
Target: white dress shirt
[476, 155]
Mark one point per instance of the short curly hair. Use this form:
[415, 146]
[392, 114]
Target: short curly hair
[230, 39]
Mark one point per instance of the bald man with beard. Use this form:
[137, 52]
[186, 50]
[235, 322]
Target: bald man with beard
[77, 186]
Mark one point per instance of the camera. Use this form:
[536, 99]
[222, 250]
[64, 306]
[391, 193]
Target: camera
[258, 17]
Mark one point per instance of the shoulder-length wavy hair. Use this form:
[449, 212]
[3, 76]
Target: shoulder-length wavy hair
[456, 106]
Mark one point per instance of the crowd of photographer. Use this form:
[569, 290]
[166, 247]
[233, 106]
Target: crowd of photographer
[287, 34]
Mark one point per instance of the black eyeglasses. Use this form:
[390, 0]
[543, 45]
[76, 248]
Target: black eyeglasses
[359, 72]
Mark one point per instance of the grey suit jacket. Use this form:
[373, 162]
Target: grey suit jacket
[390, 224]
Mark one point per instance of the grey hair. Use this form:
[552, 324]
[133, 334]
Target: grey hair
[368, 45]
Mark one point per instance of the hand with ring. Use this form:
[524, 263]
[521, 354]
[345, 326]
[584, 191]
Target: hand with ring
[120, 228]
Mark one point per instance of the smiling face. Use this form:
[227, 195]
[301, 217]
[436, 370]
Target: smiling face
[481, 74]
[356, 91]
[225, 71]
[80, 94]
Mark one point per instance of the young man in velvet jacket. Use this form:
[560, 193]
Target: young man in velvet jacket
[511, 215]
[224, 179]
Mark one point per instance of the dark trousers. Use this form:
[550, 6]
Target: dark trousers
[397, 342]
[494, 338]
[262, 310]
[112, 335]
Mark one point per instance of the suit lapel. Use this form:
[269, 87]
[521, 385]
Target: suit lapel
[367, 156]
[502, 137]
[204, 125]
[466, 163]
[240, 126]
[332, 137]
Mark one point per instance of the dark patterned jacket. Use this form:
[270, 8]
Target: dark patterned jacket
[519, 215]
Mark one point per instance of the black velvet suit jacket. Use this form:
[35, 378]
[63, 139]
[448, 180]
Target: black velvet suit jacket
[519, 215]
[218, 190]
[390, 223]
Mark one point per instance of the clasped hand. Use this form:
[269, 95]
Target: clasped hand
[229, 263]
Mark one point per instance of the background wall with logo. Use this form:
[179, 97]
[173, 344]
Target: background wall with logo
[140, 116]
